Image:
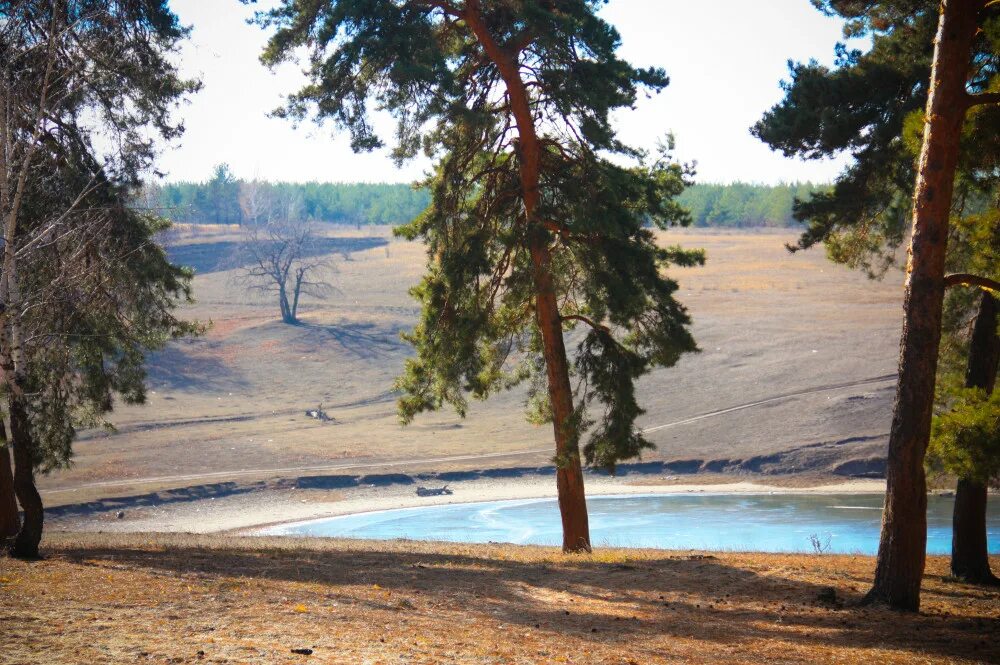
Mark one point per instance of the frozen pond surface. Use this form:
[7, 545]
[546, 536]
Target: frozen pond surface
[764, 523]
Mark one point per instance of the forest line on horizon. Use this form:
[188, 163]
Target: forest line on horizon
[223, 200]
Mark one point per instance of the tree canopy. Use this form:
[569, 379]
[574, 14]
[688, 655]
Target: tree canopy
[100, 293]
[221, 201]
[870, 105]
[532, 228]
[966, 437]
[730, 205]
[84, 289]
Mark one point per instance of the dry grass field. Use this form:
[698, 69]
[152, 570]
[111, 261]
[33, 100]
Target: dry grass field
[184, 599]
[795, 375]
[793, 386]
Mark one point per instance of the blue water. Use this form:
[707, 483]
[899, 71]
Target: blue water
[761, 523]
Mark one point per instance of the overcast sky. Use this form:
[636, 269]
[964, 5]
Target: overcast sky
[725, 60]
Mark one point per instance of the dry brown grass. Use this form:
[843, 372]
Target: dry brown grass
[118, 599]
[768, 323]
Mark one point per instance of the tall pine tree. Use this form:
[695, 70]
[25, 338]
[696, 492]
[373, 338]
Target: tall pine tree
[84, 288]
[933, 66]
[533, 229]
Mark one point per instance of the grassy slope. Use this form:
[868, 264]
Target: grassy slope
[157, 598]
[768, 323]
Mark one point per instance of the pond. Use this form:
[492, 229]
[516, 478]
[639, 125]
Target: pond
[759, 522]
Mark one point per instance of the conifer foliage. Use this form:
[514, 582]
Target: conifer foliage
[85, 290]
[540, 217]
[920, 106]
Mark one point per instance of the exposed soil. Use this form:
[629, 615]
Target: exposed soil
[795, 375]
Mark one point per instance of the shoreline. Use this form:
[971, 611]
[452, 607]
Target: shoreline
[249, 513]
[274, 529]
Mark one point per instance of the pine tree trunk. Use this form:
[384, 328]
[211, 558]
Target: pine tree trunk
[984, 347]
[10, 522]
[902, 547]
[569, 470]
[970, 560]
[26, 544]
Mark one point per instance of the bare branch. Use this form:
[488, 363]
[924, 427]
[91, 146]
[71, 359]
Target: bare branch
[281, 256]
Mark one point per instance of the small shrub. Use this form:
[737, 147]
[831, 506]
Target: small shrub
[820, 545]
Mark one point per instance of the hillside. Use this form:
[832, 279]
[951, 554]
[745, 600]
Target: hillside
[795, 376]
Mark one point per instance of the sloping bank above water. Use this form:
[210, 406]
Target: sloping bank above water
[843, 523]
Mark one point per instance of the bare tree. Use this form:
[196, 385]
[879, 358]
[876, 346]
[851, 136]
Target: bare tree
[255, 201]
[283, 257]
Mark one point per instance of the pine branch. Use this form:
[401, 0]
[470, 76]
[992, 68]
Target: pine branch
[966, 279]
[589, 322]
[982, 99]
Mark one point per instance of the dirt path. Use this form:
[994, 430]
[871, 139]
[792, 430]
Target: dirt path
[801, 393]
[145, 426]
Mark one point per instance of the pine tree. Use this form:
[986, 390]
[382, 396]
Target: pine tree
[84, 288]
[532, 230]
[964, 441]
[223, 197]
[921, 59]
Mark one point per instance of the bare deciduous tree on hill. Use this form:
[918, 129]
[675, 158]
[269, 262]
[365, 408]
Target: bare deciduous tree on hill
[283, 257]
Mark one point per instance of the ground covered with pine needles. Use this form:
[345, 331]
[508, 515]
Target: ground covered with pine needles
[98, 598]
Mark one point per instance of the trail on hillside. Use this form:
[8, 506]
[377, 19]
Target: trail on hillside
[776, 398]
[145, 426]
[370, 464]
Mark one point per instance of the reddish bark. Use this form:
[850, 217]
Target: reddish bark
[569, 474]
[902, 548]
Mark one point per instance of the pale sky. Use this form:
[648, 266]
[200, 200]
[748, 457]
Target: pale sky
[725, 59]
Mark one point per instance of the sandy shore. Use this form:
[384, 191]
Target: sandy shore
[245, 513]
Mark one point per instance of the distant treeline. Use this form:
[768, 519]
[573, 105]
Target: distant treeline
[744, 205]
[225, 200]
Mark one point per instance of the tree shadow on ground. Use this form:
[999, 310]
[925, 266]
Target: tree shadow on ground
[208, 257]
[722, 600]
[175, 367]
[365, 341]
[156, 499]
